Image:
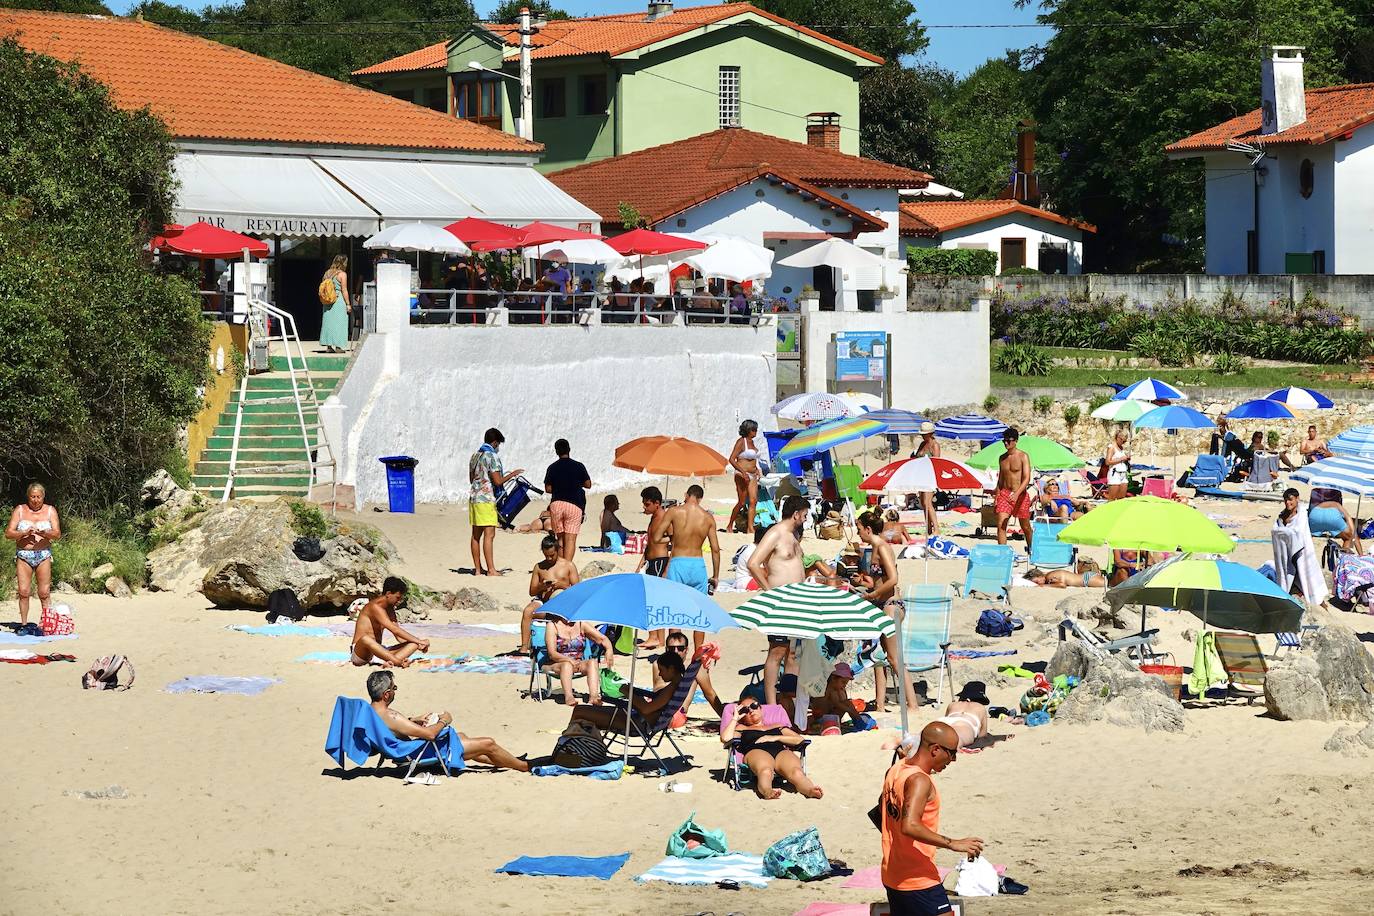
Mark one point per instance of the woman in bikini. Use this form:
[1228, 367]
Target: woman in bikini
[1126, 563]
[767, 751]
[566, 644]
[894, 532]
[1087, 575]
[744, 458]
[33, 527]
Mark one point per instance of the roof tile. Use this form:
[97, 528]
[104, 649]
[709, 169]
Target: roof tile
[430, 57]
[206, 90]
[929, 218]
[1331, 112]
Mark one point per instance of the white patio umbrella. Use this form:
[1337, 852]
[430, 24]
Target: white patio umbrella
[575, 251]
[836, 254]
[418, 237]
[730, 257]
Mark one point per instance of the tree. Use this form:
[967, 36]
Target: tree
[978, 117]
[887, 28]
[509, 10]
[899, 107]
[90, 7]
[100, 355]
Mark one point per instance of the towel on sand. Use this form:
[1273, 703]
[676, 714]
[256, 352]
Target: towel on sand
[15, 638]
[25, 657]
[482, 664]
[566, 866]
[281, 629]
[833, 909]
[978, 653]
[441, 630]
[612, 770]
[737, 866]
[341, 658]
[209, 683]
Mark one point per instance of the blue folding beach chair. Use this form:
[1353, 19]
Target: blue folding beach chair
[989, 572]
[1208, 471]
[356, 733]
[540, 658]
[1047, 551]
[925, 632]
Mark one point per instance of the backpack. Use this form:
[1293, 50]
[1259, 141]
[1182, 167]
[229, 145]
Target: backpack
[993, 622]
[579, 746]
[104, 674]
[284, 603]
[308, 549]
[328, 293]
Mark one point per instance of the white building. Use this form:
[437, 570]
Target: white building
[1290, 185]
[1020, 235]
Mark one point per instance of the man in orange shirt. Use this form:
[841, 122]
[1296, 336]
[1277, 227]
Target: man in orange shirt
[910, 819]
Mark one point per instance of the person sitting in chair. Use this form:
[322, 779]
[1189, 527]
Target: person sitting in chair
[648, 706]
[566, 644]
[835, 703]
[1061, 507]
[381, 689]
[610, 522]
[768, 751]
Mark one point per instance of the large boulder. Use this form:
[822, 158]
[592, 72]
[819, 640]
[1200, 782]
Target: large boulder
[1111, 689]
[1087, 604]
[164, 502]
[471, 599]
[1293, 689]
[1331, 678]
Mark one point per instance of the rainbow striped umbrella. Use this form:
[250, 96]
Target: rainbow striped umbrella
[824, 436]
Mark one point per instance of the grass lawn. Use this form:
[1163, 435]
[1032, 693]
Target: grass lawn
[1321, 378]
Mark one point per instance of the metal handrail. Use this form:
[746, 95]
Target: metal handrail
[645, 309]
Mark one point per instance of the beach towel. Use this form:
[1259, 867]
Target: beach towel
[282, 629]
[966, 654]
[419, 660]
[481, 664]
[357, 733]
[16, 639]
[944, 547]
[740, 867]
[833, 909]
[441, 630]
[612, 770]
[566, 866]
[244, 686]
[1352, 574]
[1295, 557]
[25, 657]
[1207, 668]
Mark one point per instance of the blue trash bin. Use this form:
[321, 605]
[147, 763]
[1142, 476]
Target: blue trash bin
[400, 482]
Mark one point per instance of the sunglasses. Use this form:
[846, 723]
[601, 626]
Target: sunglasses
[678, 648]
[950, 752]
[750, 707]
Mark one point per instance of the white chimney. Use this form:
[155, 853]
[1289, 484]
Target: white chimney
[659, 9]
[1283, 100]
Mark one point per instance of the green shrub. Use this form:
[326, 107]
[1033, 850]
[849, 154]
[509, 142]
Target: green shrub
[1022, 360]
[1071, 414]
[1097, 401]
[1042, 403]
[951, 262]
[85, 545]
[1272, 438]
[307, 520]
[1229, 364]
[1169, 349]
[1020, 272]
[991, 402]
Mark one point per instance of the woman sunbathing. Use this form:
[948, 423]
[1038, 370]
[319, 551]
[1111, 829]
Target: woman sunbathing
[968, 716]
[1087, 575]
[894, 532]
[542, 523]
[1062, 507]
[767, 751]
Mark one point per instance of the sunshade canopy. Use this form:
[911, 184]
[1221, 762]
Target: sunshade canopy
[806, 610]
[899, 422]
[647, 241]
[925, 475]
[1358, 440]
[1224, 594]
[1174, 417]
[1150, 389]
[1122, 411]
[475, 229]
[202, 240]
[1300, 398]
[417, 237]
[1044, 454]
[1348, 473]
[811, 405]
[641, 602]
[969, 426]
[834, 252]
[672, 456]
[1148, 523]
[1260, 409]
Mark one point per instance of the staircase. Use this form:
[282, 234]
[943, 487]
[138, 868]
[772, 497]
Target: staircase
[271, 432]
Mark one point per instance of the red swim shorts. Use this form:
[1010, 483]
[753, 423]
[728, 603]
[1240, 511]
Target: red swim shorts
[566, 518]
[1003, 505]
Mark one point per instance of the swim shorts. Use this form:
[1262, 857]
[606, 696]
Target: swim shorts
[929, 901]
[690, 571]
[656, 567]
[1003, 505]
[566, 517]
[482, 515]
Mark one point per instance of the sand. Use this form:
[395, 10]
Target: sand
[232, 807]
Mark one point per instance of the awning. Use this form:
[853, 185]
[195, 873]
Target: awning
[268, 195]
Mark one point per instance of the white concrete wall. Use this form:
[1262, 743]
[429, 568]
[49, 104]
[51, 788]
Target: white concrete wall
[939, 359]
[1353, 181]
[1230, 207]
[989, 234]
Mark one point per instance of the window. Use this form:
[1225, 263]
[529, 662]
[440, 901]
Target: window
[1054, 257]
[1013, 253]
[437, 99]
[1251, 252]
[476, 99]
[592, 93]
[729, 97]
[553, 98]
[1305, 178]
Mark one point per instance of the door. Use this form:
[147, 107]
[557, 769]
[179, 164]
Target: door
[823, 278]
[299, 293]
[1013, 254]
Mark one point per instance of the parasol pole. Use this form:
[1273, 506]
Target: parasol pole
[900, 617]
[630, 698]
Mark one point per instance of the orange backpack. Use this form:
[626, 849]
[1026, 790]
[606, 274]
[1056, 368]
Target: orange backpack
[328, 293]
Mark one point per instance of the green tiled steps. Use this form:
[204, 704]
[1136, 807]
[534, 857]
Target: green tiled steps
[272, 455]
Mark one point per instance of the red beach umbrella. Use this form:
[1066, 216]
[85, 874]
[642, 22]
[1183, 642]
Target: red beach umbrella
[648, 242]
[473, 232]
[202, 240]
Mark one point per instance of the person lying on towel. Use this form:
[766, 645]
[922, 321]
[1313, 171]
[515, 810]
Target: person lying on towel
[381, 688]
[968, 716]
[648, 706]
[1087, 575]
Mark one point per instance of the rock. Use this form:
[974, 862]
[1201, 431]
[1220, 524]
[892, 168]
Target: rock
[1072, 658]
[1293, 690]
[117, 587]
[65, 588]
[158, 489]
[597, 568]
[1350, 742]
[474, 599]
[103, 570]
[1088, 605]
[1345, 670]
[1113, 690]
[164, 502]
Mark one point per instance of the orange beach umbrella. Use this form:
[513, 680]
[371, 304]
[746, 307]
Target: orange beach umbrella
[672, 456]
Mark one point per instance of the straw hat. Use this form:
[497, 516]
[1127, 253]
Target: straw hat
[927, 428]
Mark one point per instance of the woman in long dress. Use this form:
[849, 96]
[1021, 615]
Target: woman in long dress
[334, 324]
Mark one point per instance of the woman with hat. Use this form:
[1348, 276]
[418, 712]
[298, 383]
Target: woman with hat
[928, 448]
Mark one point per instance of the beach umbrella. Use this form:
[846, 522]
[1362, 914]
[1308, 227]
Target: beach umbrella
[1044, 454]
[646, 241]
[1150, 389]
[970, 426]
[926, 474]
[1300, 398]
[639, 602]
[1260, 409]
[809, 406]
[860, 402]
[1148, 523]
[1222, 593]
[731, 257]
[824, 436]
[202, 240]
[834, 253]
[472, 230]
[539, 234]
[671, 456]
[899, 422]
[806, 610]
[1347, 473]
[1358, 440]
[1174, 417]
[417, 237]
[1122, 411]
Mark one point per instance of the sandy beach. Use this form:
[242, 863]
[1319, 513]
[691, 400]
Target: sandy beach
[231, 806]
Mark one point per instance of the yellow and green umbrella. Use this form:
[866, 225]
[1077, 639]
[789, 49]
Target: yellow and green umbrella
[1044, 454]
[1148, 523]
[1224, 594]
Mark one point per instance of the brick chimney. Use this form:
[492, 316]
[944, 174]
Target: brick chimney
[1283, 100]
[658, 9]
[823, 130]
[1025, 184]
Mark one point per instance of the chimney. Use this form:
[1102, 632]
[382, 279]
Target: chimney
[1283, 100]
[823, 130]
[658, 9]
[1025, 184]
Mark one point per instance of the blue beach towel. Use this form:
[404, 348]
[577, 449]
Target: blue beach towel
[281, 629]
[566, 866]
[978, 653]
[737, 866]
[8, 637]
[612, 770]
[209, 683]
[357, 733]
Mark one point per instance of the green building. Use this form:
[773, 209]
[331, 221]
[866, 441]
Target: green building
[609, 85]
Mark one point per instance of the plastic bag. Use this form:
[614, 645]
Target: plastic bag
[693, 841]
[799, 856]
[977, 878]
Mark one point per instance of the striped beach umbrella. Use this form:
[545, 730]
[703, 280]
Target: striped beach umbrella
[1122, 411]
[1300, 398]
[1347, 473]
[1150, 389]
[824, 436]
[912, 475]
[1358, 440]
[1224, 594]
[806, 610]
[812, 405]
[899, 422]
[1260, 409]
[969, 426]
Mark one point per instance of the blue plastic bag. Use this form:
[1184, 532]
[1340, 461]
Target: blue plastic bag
[799, 856]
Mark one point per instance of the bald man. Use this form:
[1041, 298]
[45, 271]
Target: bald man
[910, 822]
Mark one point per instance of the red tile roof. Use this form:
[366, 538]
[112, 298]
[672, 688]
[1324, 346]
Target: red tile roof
[930, 218]
[205, 90]
[616, 34]
[430, 57]
[663, 181]
[1331, 112]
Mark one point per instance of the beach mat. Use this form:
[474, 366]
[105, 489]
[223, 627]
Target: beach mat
[966, 654]
[341, 658]
[16, 639]
[482, 664]
[422, 630]
[612, 770]
[741, 867]
[209, 683]
[833, 909]
[602, 867]
[281, 629]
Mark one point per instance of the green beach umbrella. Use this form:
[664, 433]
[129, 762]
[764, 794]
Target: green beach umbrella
[1122, 411]
[806, 610]
[1044, 454]
[1148, 523]
[1224, 594]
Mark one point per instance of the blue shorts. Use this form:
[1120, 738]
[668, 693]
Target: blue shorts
[930, 901]
[1326, 520]
[690, 571]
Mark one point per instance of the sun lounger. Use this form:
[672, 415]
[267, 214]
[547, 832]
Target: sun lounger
[988, 573]
[1139, 646]
[650, 735]
[1244, 662]
[925, 632]
[356, 733]
[1208, 471]
[773, 717]
[1047, 551]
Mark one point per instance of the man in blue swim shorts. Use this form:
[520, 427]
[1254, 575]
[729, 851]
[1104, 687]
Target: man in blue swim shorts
[690, 526]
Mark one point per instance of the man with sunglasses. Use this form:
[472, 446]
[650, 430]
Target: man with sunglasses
[910, 812]
[679, 645]
[1013, 488]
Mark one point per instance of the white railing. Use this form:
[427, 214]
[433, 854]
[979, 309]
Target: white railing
[541, 307]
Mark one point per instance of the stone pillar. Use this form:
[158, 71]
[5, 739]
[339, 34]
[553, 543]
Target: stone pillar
[393, 311]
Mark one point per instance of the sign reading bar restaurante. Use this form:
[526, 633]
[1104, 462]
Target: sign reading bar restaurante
[274, 225]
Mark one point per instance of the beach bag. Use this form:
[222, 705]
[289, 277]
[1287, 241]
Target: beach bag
[57, 621]
[977, 878]
[284, 603]
[308, 549]
[799, 856]
[327, 291]
[104, 674]
[993, 622]
[580, 745]
[693, 841]
[612, 684]
[831, 527]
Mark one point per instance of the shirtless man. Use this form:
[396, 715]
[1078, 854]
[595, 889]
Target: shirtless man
[1013, 488]
[378, 616]
[879, 586]
[690, 527]
[381, 688]
[654, 562]
[549, 576]
[1312, 448]
[777, 560]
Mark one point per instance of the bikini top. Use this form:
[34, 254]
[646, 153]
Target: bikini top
[750, 452]
[44, 522]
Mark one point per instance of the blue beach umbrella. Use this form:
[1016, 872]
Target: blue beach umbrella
[969, 426]
[1260, 409]
[899, 422]
[1358, 440]
[1300, 398]
[1150, 389]
[1347, 473]
[1173, 417]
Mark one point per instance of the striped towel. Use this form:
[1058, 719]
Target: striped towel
[482, 664]
[737, 866]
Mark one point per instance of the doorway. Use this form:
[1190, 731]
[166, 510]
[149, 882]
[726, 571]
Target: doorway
[1013, 254]
[823, 278]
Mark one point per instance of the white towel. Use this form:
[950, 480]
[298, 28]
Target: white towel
[1294, 554]
[741, 867]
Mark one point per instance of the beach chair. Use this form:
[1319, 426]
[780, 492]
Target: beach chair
[1096, 481]
[1047, 551]
[540, 658]
[650, 735]
[847, 480]
[988, 573]
[357, 733]
[1162, 487]
[1208, 471]
[1244, 663]
[925, 632]
[1264, 474]
[736, 775]
[1139, 647]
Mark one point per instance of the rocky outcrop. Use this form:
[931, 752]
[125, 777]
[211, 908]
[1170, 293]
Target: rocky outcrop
[1332, 677]
[1111, 689]
[1293, 690]
[470, 599]
[1352, 742]
[597, 568]
[1087, 604]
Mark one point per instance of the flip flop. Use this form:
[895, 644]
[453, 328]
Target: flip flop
[422, 779]
[1015, 671]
